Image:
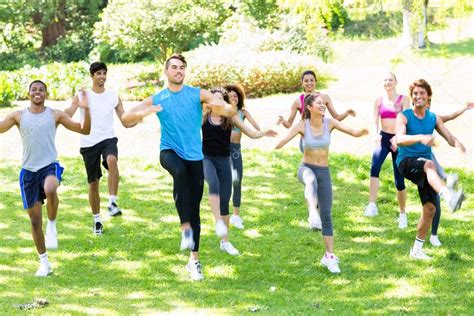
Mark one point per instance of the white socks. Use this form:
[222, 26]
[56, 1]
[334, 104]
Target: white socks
[97, 218]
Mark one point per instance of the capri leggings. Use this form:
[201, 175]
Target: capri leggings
[218, 176]
[437, 216]
[317, 181]
[237, 173]
[378, 157]
[188, 184]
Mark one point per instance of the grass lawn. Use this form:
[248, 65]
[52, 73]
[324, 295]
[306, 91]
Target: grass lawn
[136, 266]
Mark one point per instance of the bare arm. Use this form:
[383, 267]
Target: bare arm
[251, 120]
[247, 131]
[405, 103]
[332, 110]
[135, 115]
[295, 130]
[217, 106]
[348, 130]
[294, 109]
[452, 116]
[73, 107]
[120, 111]
[64, 118]
[376, 117]
[406, 140]
[12, 119]
[446, 134]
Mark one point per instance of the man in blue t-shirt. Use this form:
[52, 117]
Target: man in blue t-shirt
[415, 137]
[179, 109]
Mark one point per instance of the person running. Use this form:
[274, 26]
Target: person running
[314, 169]
[237, 98]
[100, 142]
[216, 142]
[385, 111]
[451, 179]
[41, 173]
[179, 109]
[308, 81]
[414, 135]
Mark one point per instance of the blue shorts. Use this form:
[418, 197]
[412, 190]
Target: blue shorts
[32, 183]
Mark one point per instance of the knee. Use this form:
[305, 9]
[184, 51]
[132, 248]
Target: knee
[36, 223]
[112, 161]
[94, 186]
[50, 191]
[429, 165]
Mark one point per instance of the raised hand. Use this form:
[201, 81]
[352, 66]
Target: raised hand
[351, 112]
[470, 106]
[270, 133]
[83, 102]
[459, 145]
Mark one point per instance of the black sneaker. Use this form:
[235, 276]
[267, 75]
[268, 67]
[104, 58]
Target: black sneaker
[114, 210]
[98, 229]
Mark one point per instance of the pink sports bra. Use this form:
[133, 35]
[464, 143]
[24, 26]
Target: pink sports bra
[386, 111]
[302, 103]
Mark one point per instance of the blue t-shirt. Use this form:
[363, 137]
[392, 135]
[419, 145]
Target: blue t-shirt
[181, 120]
[416, 126]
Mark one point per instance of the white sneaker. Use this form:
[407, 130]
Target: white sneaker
[51, 238]
[237, 221]
[452, 181]
[229, 248]
[314, 221]
[187, 240]
[419, 255]
[402, 221]
[221, 229]
[195, 270]
[114, 210]
[371, 210]
[454, 199]
[434, 240]
[44, 270]
[331, 263]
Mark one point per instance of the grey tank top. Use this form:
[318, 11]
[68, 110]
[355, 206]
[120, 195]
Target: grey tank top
[38, 133]
[316, 142]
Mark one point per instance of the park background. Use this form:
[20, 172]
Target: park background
[264, 45]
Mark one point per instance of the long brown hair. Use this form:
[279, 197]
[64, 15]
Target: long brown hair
[239, 90]
[226, 121]
[308, 100]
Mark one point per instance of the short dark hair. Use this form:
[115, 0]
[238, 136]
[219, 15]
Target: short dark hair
[175, 56]
[308, 72]
[240, 93]
[422, 83]
[96, 66]
[38, 81]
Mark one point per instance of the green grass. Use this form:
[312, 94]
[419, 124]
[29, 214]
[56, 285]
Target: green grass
[452, 50]
[135, 267]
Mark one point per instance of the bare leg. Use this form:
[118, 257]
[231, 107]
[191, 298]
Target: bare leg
[329, 243]
[373, 189]
[433, 178]
[113, 174]
[37, 227]
[50, 189]
[402, 198]
[425, 220]
[94, 198]
[225, 218]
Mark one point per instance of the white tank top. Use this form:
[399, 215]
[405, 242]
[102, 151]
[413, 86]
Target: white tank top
[38, 133]
[101, 108]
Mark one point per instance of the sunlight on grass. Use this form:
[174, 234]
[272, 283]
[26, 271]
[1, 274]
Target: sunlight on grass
[403, 289]
[252, 233]
[12, 269]
[170, 219]
[221, 271]
[85, 309]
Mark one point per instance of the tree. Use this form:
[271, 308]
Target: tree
[415, 21]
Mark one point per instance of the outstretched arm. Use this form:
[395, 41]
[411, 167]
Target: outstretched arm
[251, 120]
[252, 134]
[446, 134]
[73, 107]
[333, 112]
[295, 130]
[11, 120]
[64, 118]
[294, 109]
[135, 115]
[120, 111]
[406, 140]
[348, 130]
[452, 116]
[217, 106]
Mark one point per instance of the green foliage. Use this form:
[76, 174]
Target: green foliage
[153, 29]
[380, 24]
[6, 91]
[265, 12]
[260, 73]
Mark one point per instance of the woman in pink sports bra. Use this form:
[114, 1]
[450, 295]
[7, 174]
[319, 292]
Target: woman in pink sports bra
[386, 109]
[308, 81]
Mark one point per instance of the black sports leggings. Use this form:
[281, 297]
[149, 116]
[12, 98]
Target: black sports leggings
[188, 184]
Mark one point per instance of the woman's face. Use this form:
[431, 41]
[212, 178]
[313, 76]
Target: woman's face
[218, 95]
[309, 83]
[389, 82]
[233, 98]
[318, 106]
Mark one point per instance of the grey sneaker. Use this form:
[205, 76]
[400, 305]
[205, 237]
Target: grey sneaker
[114, 210]
[195, 270]
[455, 200]
[98, 229]
[452, 181]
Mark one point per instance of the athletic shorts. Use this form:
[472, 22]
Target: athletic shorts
[32, 183]
[412, 168]
[91, 156]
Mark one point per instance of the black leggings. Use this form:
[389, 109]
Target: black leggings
[188, 184]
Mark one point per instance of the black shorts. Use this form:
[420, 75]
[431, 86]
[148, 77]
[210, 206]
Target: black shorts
[32, 183]
[413, 169]
[91, 156]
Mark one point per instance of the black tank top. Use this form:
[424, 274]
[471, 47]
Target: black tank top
[215, 139]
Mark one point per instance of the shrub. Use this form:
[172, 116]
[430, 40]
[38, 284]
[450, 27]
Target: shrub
[6, 91]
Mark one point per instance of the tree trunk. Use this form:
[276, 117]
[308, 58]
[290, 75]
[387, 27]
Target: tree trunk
[416, 38]
[51, 33]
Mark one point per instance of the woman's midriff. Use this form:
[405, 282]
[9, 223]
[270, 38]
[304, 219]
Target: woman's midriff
[317, 157]
[388, 125]
[235, 137]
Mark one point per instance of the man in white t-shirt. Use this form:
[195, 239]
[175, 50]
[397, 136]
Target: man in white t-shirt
[101, 142]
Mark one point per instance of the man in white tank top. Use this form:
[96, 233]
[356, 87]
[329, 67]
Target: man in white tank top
[101, 142]
[41, 173]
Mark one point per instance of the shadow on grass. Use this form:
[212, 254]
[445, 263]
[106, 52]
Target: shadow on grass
[135, 267]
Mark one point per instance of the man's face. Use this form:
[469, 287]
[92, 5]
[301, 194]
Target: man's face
[419, 97]
[176, 71]
[37, 93]
[99, 77]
